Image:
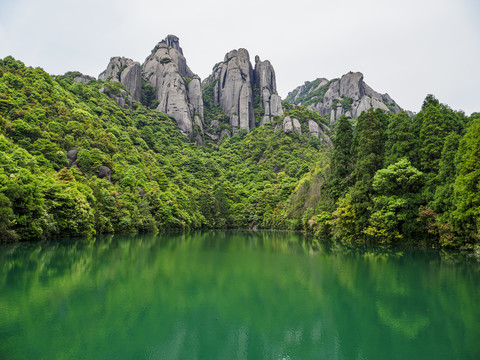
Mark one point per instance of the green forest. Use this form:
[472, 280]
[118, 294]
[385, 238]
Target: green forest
[388, 178]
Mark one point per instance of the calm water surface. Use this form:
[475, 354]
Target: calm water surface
[235, 295]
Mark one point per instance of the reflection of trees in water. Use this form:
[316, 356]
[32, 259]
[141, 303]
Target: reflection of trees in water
[320, 299]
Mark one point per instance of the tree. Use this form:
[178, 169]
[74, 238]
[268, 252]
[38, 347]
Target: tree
[443, 199]
[396, 200]
[369, 146]
[400, 140]
[432, 135]
[342, 159]
[466, 194]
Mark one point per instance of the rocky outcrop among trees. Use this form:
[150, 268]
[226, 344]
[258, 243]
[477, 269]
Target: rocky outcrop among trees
[175, 89]
[348, 96]
[237, 95]
[127, 72]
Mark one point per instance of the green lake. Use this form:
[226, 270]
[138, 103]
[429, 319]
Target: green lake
[235, 295]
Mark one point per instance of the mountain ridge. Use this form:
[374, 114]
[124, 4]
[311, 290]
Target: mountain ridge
[348, 95]
[245, 93]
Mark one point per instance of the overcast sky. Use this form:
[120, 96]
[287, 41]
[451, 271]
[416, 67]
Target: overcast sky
[407, 48]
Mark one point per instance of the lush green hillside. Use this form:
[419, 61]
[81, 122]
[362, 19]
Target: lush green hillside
[159, 181]
[394, 179]
[388, 178]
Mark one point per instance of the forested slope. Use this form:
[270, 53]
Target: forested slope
[397, 179]
[159, 180]
[388, 178]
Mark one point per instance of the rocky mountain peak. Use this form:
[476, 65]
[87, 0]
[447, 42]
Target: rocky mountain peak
[236, 84]
[266, 83]
[127, 72]
[173, 41]
[348, 96]
[351, 85]
[177, 89]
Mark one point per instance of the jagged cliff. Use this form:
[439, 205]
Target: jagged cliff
[127, 72]
[177, 89]
[266, 83]
[236, 85]
[349, 96]
[245, 94]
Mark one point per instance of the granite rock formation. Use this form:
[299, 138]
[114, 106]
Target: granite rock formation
[84, 79]
[72, 157]
[266, 83]
[233, 80]
[177, 89]
[236, 84]
[348, 96]
[291, 125]
[127, 72]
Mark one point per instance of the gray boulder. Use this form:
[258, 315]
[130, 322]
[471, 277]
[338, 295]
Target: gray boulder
[296, 126]
[104, 172]
[317, 131]
[84, 79]
[72, 156]
[287, 125]
[265, 120]
[291, 125]
[276, 105]
[314, 128]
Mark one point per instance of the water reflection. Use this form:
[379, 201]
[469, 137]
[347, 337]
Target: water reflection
[235, 295]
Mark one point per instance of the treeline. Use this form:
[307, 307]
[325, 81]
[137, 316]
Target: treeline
[159, 181]
[394, 178]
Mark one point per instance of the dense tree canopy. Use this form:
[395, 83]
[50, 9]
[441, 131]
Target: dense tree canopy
[387, 178]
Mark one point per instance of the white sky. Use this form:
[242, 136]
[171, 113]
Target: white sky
[407, 48]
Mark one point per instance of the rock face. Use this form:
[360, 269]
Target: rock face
[266, 83]
[177, 89]
[348, 96]
[236, 84]
[291, 125]
[84, 79]
[127, 72]
[233, 79]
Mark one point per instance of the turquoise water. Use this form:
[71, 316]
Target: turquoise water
[235, 295]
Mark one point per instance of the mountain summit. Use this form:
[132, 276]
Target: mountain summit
[237, 95]
[238, 89]
[348, 96]
[176, 89]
